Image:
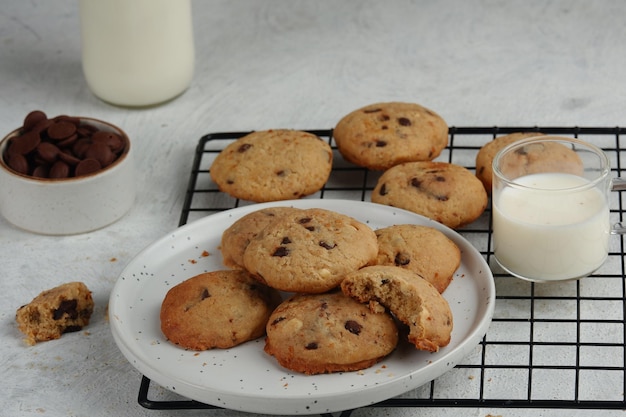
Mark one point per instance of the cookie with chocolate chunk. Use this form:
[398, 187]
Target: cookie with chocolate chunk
[445, 192]
[63, 309]
[273, 165]
[409, 297]
[421, 249]
[218, 309]
[237, 236]
[324, 333]
[382, 135]
[310, 251]
[484, 157]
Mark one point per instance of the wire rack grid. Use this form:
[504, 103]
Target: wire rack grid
[549, 345]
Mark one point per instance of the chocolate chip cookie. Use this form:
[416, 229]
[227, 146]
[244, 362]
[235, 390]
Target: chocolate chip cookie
[63, 309]
[237, 236]
[218, 309]
[421, 249]
[409, 297]
[310, 251]
[324, 333]
[382, 135]
[484, 157]
[444, 192]
[544, 155]
[273, 165]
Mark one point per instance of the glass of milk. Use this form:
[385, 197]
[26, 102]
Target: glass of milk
[550, 208]
[137, 53]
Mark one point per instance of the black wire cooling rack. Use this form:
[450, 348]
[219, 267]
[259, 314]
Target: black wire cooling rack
[549, 345]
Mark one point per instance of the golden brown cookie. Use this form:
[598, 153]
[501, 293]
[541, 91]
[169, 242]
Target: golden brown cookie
[421, 249]
[541, 156]
[273, 165]
[310, 251]
[484, 157]
[63, 309]
[409, 297]
[444, 192]
[237, 236]
[218, 309]
[382, 135]
[324, 333]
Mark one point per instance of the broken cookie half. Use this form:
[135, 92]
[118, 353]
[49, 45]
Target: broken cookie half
[63, 309]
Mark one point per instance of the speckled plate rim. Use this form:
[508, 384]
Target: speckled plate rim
[244, 378]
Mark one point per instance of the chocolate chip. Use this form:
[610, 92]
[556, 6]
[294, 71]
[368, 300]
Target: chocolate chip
[68, 158]
[32, 118]
[48, 151]
[285, 241]
[324, 305]
[415, 182]
[381, 143]
[353, 327]
[101, 153]
[17, 162]
[59, 170]
[205, 294]
[70, 329]
[281, 251]
[327, 246]
[25, 143]
[304, 220]
[385, 281]
[67, 307]
[440, 178]
[61, 130]
[68, 141]
[87, 166]
[383, 189]
[244, 147]
[402, 259]
[111, 139]
[311, 346]
[403, 121]
[41, 171]
[278, 320]
[442, 197]
[79, 148]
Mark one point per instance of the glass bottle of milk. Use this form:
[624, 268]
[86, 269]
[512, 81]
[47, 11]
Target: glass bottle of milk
[137, 53]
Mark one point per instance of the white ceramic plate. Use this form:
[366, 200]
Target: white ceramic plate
[247, 379]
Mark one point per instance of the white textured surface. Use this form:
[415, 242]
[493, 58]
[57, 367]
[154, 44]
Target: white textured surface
[297, 64]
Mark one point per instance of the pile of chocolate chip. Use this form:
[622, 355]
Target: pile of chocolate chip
[61, 147]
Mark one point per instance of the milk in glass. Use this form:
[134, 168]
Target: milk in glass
[545, 232]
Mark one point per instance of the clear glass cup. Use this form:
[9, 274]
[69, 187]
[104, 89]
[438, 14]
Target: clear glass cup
[550, 208]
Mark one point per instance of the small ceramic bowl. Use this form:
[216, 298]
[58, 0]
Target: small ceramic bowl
[70, 205]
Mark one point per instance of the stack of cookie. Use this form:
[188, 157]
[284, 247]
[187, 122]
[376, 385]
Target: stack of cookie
[345, 287]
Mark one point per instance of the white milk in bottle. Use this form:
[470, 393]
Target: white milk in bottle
[137, 52]
[551, 235]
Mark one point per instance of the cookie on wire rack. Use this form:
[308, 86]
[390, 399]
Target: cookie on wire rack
[273, 165]
[381, 135]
